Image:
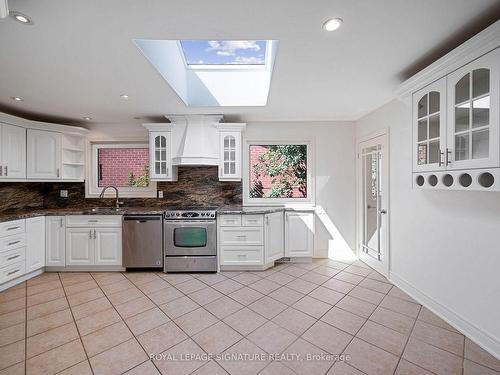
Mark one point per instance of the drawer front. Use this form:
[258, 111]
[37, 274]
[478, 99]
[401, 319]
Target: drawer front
[10, 228]
[236, 255]
[230, 220]
[94, 221]
[252, 220]
[12, 242]
[12, 256]
[11, 272]
[242, 236]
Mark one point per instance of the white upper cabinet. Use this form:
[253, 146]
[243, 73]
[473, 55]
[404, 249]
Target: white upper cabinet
[473, 102]
[44, 154]
[230, 151]
[12, 152]
[429, 127]
[160, 155]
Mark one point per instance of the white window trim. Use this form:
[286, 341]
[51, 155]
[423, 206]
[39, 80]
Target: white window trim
[286, 202]
[92, 190]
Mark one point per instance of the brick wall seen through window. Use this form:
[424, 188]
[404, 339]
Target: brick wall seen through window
[123, 167]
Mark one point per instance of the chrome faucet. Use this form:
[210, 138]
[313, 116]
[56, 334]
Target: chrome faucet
[117, 198]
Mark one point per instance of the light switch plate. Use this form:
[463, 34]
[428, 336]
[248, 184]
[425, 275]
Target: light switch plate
[64, 194]
[160, 194]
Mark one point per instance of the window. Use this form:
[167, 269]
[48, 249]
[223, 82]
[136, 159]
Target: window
[278, 173]
[123, 165]
[224, 52]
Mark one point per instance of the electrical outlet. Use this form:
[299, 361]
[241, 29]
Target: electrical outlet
[160, 194]
[64, 194]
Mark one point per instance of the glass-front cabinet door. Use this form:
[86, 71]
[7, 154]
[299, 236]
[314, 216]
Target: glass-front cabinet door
[429, 127]
[160, 155]
[230, 156]
[473, 102]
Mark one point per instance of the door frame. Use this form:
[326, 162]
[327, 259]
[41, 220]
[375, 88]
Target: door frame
[359, 198]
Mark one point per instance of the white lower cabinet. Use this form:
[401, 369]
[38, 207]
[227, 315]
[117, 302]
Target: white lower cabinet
[299, 234]
[35, 243]
[12, 250]
[55, 241]
[93, 241]
[274, 244]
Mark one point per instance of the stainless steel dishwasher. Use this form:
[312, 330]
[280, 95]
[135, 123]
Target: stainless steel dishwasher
[142, 241]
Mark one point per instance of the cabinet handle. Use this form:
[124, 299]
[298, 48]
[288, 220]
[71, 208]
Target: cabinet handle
[92, 221]
[61, 223]
[14, 257]
[441, 153]
[13, 243]
[267, 220]
[95, 234]
[1, 170]
[6, 170]
[12, 228]
[90, 234]
[13, 272]
[57, 172]
[448, 152]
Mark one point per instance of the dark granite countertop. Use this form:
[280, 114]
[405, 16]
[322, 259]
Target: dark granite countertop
[235, 210]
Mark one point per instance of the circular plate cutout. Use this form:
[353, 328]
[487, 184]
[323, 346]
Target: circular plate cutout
[447, 180]
[465, 180]
[486, 179]
[432, 179]
[420, 180]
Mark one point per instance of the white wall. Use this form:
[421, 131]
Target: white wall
[444, 244]
[335, 177]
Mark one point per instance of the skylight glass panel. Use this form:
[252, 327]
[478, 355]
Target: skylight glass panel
[224, 52]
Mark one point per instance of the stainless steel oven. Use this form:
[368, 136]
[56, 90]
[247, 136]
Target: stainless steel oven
[190, 241]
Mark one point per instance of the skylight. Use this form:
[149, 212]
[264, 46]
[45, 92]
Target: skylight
[224, 52]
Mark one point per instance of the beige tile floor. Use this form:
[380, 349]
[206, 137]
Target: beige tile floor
[109, 323]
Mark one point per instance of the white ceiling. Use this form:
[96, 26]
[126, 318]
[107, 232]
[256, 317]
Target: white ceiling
[79, 56]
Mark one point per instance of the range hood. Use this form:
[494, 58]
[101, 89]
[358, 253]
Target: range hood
[195, 139]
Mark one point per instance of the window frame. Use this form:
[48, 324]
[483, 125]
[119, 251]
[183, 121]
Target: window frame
[286, 202]
[92, 189]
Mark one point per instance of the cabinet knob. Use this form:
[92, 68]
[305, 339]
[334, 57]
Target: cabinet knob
[383, 212]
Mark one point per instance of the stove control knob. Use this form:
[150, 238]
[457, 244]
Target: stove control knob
[177, 214]
[202, 214]
[212, 215]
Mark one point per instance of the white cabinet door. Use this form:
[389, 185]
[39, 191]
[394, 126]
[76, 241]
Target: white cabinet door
[274, 237]
[44, 154]
[12, 151]
[429, 127]
[55, 241]
[230, 156]
[299, 234]
[79, 246]
[160, 155]
[473, 113]
[35, 243]
[108, 246]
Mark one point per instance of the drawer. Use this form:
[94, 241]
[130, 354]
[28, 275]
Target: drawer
[12, 256]
[241, 236]
[11, 272]
[93, 221]
[242, 255]
[10, 228]
[230, 220]
[252, 220]
[12, 242]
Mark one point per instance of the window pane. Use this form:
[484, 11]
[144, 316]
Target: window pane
[163, 155]
[480, 82]
[422, 107]
[422, 154]
[157, 142]
[123, 167]
[232, 168]
[462, 118]
[462, 147]
[480, 144]
[226, 168]
[462, 89]
[232, 142]
[434, 126]
[481, 112]
[232, 156]
[433, 102]
[278, 171]
[226, 142]
[422, 130]
[158, 167]
[163, 141]
[163, 168]
[434, 152]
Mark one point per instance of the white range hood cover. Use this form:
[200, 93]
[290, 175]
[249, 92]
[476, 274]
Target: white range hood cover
[195, 139]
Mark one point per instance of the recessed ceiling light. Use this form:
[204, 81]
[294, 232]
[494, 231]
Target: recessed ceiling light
[86, 118]
[124, 96]
[332, 24]
[17, 98]
[21, 18]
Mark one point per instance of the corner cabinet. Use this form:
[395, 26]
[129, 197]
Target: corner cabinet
[230, 151]
[456, 135]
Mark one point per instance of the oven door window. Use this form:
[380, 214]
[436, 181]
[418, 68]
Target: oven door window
[190, 237]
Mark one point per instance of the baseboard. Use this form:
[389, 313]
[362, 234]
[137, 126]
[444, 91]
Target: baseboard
[20, 279]
[480, 337]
